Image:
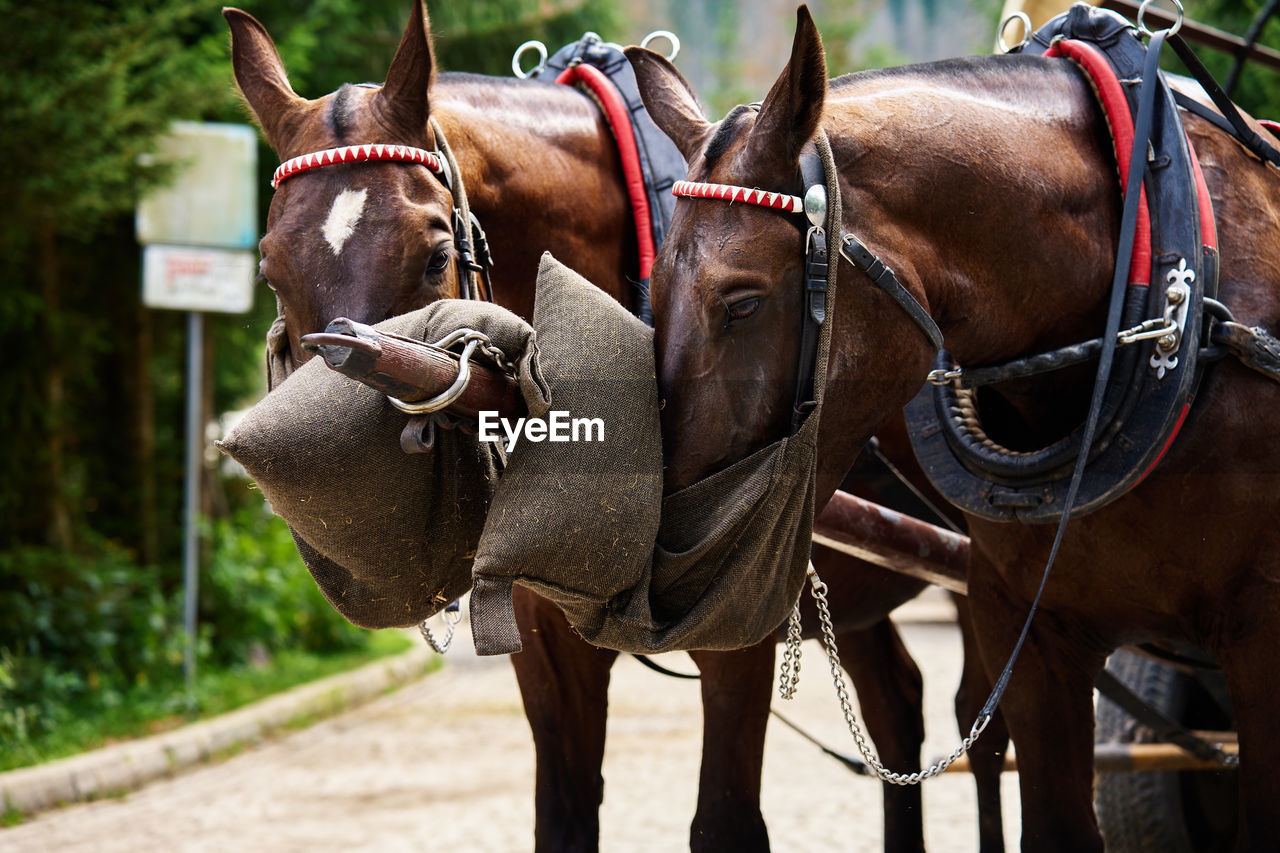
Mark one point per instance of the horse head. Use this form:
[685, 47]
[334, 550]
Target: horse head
[726, 321]
[365, 240]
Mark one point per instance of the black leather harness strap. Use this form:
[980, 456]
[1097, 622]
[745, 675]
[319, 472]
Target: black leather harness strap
[816, 274]
[1261, 148]
[1128, 222]
[884, 278]
[1162, 726]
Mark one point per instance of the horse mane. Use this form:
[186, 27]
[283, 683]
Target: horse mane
[342, 109]
[991, 73]
[723, 135]
[464, 77]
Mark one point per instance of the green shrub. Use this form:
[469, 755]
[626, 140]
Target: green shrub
[83, 633]
[257, 595]
[78, 630]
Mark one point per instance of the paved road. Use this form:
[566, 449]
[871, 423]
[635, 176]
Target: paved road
[447, 764]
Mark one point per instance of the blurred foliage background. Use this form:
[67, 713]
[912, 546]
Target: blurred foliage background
[91, 382]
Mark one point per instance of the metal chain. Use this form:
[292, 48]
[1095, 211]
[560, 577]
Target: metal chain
[483, 343]
[789, 680]
[451, 620]
[842, 693]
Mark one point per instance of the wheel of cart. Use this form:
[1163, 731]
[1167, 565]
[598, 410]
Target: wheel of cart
[1159, 808]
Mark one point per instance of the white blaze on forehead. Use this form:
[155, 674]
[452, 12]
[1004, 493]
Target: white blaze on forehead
[342, 220]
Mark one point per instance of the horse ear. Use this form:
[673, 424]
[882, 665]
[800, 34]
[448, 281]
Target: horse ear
[670, 101]
[792, 110]
[261, 77]
[402, 102]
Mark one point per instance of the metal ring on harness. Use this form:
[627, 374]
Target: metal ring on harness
[664, 34]
[531, 44]
[1171, 31]
[453, 392]
[1026, 32]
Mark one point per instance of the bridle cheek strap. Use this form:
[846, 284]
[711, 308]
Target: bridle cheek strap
[883, 277]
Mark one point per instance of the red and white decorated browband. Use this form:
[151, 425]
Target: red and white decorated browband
[358, 154]
[726, 192]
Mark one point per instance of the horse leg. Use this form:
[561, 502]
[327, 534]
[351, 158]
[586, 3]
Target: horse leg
[736, 689]
[891, 695]
[1049, 711]
[986, 758]
[564, 684]
[1250, 670]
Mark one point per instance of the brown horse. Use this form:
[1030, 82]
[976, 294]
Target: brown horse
[988, 185]
[540, 167]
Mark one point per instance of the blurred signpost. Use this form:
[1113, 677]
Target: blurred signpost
[198, 235]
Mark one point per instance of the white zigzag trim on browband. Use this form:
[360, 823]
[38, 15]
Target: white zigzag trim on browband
[358, 154]
[726, 192]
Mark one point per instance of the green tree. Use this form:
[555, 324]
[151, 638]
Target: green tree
[91, 382]
[1258, 89]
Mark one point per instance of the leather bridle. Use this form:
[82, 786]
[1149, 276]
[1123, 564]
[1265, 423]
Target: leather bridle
[814, 207]
[469, 238]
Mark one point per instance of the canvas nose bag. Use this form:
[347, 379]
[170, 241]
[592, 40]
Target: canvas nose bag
[718, 567]
[728, 564]
[388, 537]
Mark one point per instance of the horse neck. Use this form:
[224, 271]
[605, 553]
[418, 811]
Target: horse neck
[542, 173]
[985, 184]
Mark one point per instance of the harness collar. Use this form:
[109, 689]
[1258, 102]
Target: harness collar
[376, 152]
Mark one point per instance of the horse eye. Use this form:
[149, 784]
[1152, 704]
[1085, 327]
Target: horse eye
[741, 310]
[439, 261]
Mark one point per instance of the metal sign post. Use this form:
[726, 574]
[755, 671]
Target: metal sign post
[191, 496]
[198, 234]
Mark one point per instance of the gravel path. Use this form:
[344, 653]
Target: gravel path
[446, 763]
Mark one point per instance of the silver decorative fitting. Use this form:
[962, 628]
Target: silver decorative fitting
[815, 205]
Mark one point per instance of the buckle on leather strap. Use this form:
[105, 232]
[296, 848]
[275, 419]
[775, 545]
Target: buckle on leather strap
[815, 274]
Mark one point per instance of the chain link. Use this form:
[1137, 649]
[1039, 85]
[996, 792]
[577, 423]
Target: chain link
[483, 343]
[451, 620]
[842, 693]
[789, 679]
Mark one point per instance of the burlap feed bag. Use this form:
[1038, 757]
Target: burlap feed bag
[388, 537]
[577, 522]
